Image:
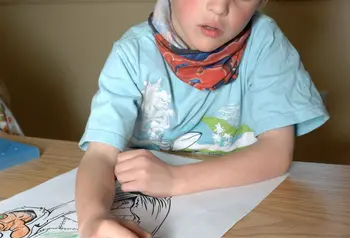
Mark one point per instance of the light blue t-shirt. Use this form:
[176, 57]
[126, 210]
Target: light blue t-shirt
[141, 103]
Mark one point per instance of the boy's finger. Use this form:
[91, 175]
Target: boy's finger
[131, 187]
[127, 176]
[126, 165]
[127, 155]
[132, 226]
[115, 230]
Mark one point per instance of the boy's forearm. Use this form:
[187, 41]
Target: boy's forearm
[95, 186]
[256, 163]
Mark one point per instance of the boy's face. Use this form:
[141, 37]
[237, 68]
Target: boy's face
[205, 25]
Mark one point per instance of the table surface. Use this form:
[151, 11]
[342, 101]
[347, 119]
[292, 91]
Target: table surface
[314, 201]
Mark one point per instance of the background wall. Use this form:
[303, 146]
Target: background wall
[51, 55]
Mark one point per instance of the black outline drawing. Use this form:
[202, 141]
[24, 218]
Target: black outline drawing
[36, 222]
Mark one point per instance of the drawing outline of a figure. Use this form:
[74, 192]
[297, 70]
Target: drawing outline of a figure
[60, 221]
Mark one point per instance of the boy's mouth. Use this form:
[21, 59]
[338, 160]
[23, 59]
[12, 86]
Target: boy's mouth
[209, 27]
[211, 31]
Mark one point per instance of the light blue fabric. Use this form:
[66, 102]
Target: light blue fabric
[141, 103]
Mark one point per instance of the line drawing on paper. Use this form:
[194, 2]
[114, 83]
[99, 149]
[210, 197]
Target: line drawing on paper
[60, 221]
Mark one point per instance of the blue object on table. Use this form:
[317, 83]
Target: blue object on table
[14, 153]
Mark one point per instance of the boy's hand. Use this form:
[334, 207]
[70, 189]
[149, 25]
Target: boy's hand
[111, 228]
[141, 171]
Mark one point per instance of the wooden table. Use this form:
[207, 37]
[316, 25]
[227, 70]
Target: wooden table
[314, 201]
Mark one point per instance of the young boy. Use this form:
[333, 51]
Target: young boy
[204, 76]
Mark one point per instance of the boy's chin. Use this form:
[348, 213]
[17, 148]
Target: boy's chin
[206, 46]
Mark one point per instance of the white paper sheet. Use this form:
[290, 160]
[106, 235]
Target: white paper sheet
[48, 210]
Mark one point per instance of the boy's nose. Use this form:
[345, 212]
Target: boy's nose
[219, 7]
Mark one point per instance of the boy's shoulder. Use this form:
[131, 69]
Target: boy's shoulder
[134, 42]
[267, 37]
[262, 23]
[136, 34]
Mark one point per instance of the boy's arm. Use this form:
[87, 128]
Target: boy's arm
[269, 157]
[95, 183]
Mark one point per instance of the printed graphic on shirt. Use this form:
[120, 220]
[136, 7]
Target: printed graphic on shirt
[180, 144]
[156, 110]
[231, 114]
[225, 137]
[227, 134]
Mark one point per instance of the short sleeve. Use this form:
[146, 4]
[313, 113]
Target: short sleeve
[115, 105]
[279, 90]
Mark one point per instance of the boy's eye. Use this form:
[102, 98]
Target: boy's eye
[2, 216]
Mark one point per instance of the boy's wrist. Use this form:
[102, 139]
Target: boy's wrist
[90, 214]
[180, 180]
